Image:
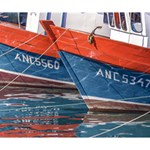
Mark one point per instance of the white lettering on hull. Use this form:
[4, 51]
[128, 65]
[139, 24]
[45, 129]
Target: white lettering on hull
[124, 78]
[46, 63]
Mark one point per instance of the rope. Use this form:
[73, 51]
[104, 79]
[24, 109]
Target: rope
[139, 97]
[33, 62]
[43, 54]
[107, 54]
[91, 35]
[121, 125]
[22, 44]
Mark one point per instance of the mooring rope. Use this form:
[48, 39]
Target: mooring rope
[22, 44]
[124, 99]
[82, 103]
[109, 130]
[65, 104]
[19, 74]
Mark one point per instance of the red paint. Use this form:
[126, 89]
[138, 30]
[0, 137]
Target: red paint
[103, 49]
[31, 81]
[15, 37]
[38, 130]
[110, 106]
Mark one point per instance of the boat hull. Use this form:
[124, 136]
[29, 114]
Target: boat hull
[24, 68]
[106, 87]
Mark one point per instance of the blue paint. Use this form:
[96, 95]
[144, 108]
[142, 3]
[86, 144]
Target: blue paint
[48, 16]
[61, 113]
[124, 84]
[64, 18]
[47, 67]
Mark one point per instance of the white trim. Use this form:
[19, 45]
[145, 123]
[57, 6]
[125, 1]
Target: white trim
[35, 77]
[112, 100]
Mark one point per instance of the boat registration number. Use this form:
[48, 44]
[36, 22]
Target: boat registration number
[46, 63]
[124, 78]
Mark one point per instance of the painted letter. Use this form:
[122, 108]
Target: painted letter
[56, 65]
[124, 78]
[132, 82]
[108, 74]
[50, 65]
[115, 76]
[141, 81]
[37, 62]
[32, 61]
[147, 85]
[25, 58]
[100, 73]
[44, 63]
[18, 57]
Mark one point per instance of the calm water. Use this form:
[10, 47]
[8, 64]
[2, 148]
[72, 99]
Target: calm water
[30, 112]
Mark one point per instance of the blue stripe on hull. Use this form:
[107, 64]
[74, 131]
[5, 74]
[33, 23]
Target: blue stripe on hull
[46, 67]
[103, 81]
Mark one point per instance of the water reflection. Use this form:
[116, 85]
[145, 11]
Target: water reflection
[114, 125]
[35, 112]
[28, 112]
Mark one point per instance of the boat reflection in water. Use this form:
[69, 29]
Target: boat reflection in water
[114, 125]
[35, 112]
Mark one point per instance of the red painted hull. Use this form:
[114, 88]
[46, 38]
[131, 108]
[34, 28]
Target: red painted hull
[17, 37]
[38, 130]
[102, 49]
[109, 106]
[29, 81]
[107, 51]
[35, 44]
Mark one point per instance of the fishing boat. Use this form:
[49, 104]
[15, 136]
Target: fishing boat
[29, 59]
[111, 73]
[27, 56]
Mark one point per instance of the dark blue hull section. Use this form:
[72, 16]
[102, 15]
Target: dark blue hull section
[100, 81]
[31, 65]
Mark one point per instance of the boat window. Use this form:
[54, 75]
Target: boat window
[136, 24]
[123, 21]
[14, 18]
[117, 20]
[105, 19]
[111, 19]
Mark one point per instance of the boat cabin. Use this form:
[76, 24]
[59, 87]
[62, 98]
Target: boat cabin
[132, 27]
[129, 27]
[78, 21]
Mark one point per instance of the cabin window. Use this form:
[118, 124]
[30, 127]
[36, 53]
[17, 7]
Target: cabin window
[105, 19]
[117, 20]
[111, 19]
[136, 24]
[14, 18]
[123, 21]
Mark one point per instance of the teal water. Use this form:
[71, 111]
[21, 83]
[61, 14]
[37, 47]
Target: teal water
[35, 112]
